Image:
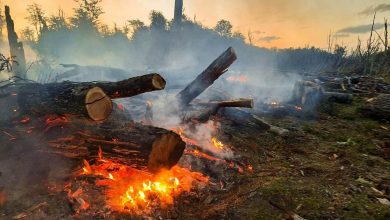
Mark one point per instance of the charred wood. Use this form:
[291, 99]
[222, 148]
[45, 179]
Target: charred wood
[207, 77]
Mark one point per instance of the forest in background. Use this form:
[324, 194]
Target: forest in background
[163, 46]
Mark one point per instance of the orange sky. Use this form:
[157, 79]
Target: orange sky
[276, 23]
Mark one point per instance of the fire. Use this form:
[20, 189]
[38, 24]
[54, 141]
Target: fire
[218, 144]
[137, 191]
[241, 79]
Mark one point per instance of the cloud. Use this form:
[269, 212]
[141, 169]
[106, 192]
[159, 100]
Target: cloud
[341, 35]
[379, 8]
[360, 29]
[269, 39]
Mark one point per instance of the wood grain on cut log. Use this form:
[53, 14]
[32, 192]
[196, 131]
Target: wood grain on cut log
[133, 144]
[90, 99]
[207, 77]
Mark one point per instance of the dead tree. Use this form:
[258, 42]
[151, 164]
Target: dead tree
[178, 13]
[16, 47]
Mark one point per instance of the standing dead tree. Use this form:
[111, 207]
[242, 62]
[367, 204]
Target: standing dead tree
[16, 47]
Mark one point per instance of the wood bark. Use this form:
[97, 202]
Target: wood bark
[202, 111]
[241, 103]
[133, 144]
[207, 77]
[16, 47]
[178, 15]
[81, 98]
[378, 107]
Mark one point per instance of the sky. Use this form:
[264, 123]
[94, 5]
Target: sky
[276, 23]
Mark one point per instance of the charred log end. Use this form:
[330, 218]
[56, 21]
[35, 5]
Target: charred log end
[158, 82]
[166, 152]
[98, 104]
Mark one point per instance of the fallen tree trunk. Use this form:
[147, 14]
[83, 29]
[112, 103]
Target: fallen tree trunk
[378, 107]
[89, 99]
[144, 147]
[202, 111]
[241, 103]
[207, 77]
[241, 117]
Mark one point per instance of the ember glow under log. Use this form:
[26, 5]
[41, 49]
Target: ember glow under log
[89, 99]
[142, 147]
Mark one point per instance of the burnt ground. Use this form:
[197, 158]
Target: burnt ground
[334, 164]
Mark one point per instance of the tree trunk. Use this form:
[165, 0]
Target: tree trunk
[207, 77]
[178, 12]
[242, 103]
[16, 47]
[91, 99]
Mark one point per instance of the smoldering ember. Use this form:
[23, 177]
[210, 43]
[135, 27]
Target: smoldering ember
[177, 118]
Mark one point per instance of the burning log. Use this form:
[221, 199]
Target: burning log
[378, 107]
[132, 144]
[207, 77]
[90, 99]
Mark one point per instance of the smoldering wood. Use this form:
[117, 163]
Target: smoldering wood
[203, 111]
[16, 47]
[241, 117]
[133, 144]
[207, 77]
[70, 98]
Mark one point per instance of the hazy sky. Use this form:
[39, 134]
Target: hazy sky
[274, 23]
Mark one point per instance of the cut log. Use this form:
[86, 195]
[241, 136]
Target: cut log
[90, 99]
[207, 77]
[133, 144]
[378, 107]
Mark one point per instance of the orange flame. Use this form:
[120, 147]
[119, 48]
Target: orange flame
[129, 189]
[218, 144]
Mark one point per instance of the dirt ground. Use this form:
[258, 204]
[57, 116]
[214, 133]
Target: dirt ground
[334, 164]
